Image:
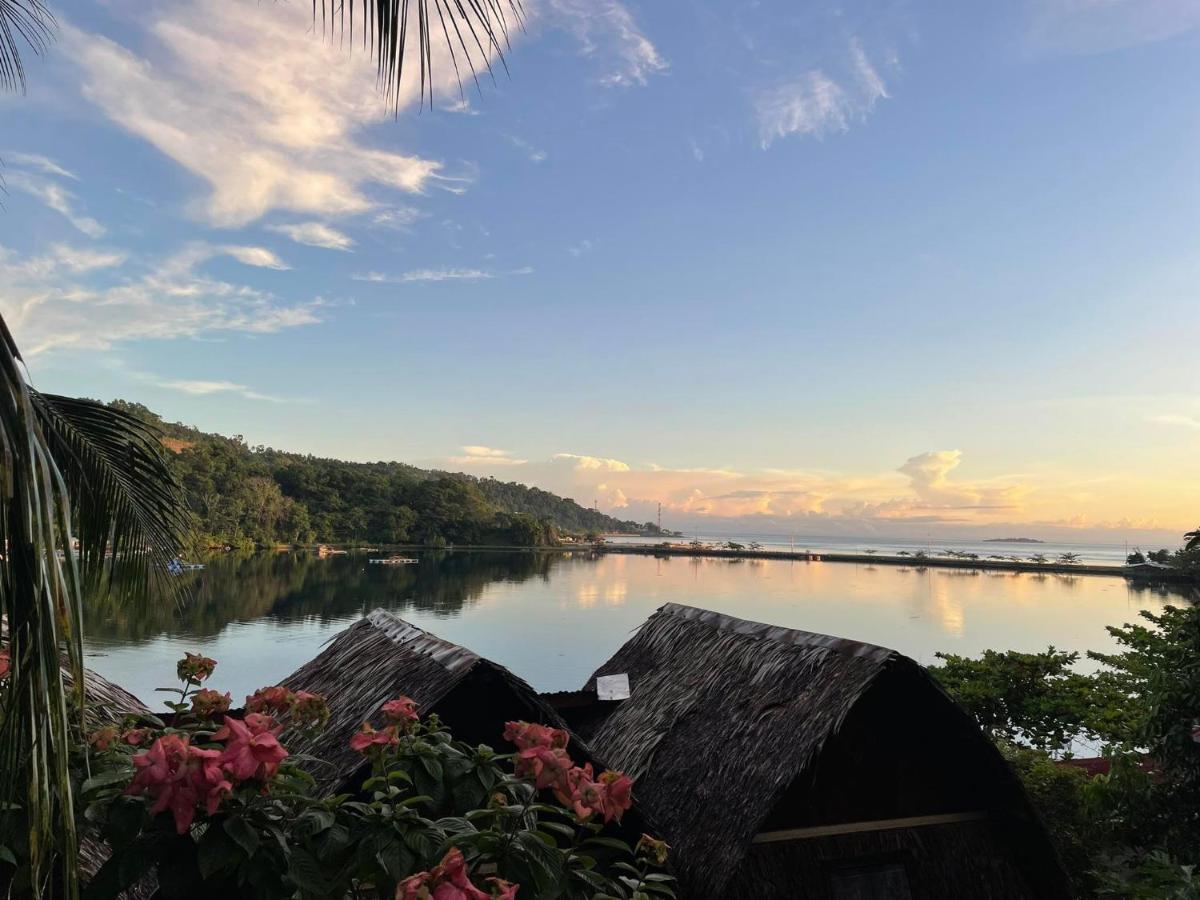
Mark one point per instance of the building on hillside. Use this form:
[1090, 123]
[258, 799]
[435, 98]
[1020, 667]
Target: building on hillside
[381, 657]
[784, 764]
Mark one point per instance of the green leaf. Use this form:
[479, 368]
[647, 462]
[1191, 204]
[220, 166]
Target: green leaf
[103, 779]
[216, 853]
[243, 833]
[7, 856]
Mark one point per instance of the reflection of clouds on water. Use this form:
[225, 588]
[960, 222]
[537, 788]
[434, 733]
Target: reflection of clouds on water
[616, 593]
[946, 606]
[587, 594]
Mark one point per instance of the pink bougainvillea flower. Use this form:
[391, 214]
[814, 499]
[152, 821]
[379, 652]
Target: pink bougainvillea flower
[367, 738]
[270, 700]
[252, 749]
[578, 791]
[207, 703]
[194, 667]
[135, 737]
[503, 890]
[616, 789]
[5, 664]
[545, 765]
[208, 778]
[164, 773]
[401, 711]
[103, 738]
[446, 881]
[527, 735]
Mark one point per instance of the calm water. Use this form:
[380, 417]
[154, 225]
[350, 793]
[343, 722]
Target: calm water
[553, 619]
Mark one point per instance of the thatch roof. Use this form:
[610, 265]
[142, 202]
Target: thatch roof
[727, 717]
[381, 657]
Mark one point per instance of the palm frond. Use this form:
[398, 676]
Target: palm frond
[473, 32]
[22, 22]
[65, 466]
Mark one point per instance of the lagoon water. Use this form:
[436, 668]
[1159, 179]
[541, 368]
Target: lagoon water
[553, 618]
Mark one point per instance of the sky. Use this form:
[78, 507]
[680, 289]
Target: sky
[870, 268]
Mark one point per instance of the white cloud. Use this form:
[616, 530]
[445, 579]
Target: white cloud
[426, 275]
[1098, 26]
[816, 105]
[57, 198]
[315, 234]
[477, 454]
[207, 388]
[254, 256]
[606, 29]
[400, 218]
[532, 153]
[593, 463]
[43, 164]
[268, 114]
[47, 308]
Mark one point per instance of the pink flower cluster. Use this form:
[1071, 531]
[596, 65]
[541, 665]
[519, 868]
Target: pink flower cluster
[542, 756]
[303, 709]
[449, 880]
[401, 714]
[181, 777]
[5, 664]
[207, 703]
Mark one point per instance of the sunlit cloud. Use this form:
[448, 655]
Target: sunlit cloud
[200, 388]
[57, 198]
[1176, 419]
[260, 257]
[434, 275]
[314, 234]
[477, 454]
[1098, 26]
[48, 308]
[37, 162]
[266, 113]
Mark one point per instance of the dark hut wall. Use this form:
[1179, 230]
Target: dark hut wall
[959, 861]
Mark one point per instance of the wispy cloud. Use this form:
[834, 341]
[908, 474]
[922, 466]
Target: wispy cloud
[477, 454]
[37, 162]
[815, 104]
[400, 218]
[199, 388]
[57, 198]
[532, 153]
[607, 31]
[425, 275]
[314, 234]
[260, 257]
[266, 113]
[48, 308]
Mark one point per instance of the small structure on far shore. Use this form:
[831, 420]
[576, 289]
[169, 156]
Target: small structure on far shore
[784, 764]
[381, 657]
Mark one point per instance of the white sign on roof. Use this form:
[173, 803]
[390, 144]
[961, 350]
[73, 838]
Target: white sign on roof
[612, 687]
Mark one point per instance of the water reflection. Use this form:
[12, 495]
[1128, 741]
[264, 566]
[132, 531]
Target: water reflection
[553, 618]
[289, 587]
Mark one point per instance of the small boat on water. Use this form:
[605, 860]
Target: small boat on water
[394, 561]
[178, 566]
[324, 551]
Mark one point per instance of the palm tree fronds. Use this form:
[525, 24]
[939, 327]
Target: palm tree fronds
[26, 22]
[129, 513]
[473, 32]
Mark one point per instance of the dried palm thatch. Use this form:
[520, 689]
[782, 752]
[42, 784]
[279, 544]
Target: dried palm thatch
[735, 727]
[381, 657]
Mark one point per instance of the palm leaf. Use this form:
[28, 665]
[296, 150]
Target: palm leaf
[53, 450]
[26, 22]
[473, 32]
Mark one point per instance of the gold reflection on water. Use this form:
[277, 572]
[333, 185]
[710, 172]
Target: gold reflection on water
[616, 593]
[587, 594]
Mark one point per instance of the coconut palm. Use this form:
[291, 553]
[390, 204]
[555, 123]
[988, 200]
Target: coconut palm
[87, 504]
[1193, 540]
[397, 32]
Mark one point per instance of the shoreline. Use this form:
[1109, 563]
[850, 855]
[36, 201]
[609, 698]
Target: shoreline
[940, 562]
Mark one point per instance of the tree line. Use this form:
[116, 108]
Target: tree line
[239, 495]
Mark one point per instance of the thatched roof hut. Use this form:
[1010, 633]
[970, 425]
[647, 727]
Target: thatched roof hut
[381, 657]
[780, 763]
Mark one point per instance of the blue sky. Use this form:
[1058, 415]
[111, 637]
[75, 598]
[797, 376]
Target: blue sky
[853, 267]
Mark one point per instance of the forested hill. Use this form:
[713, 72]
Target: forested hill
[240, 494]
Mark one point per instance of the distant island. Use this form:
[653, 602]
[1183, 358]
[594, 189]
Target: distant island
[253, 496]
[1013, 541]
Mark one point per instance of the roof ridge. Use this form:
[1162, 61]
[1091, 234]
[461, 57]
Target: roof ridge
[454, 658]
[776, 633]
